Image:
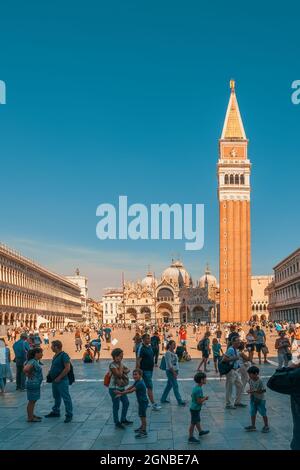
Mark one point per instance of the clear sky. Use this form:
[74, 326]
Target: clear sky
[129, 97]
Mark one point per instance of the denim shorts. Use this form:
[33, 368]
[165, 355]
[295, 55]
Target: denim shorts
[143, 405]
[257, 405]
[195, 416]
[147, 377]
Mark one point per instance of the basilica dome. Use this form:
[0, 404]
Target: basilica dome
[177, 274]
[149, 280]
[211, 280]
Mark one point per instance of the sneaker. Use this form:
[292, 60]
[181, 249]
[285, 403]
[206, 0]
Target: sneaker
[156, 407]
[250, 428]
[127, 422]
[52, 415]
[203, 433]
[182, 403]
[240, 405]
[193, 440]
[265, 429]
[120, 426]
[141, 435]
[230, 407]
[137, 430]
[68, 419]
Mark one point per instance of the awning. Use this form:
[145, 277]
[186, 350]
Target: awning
[40, 320]
[68, 320]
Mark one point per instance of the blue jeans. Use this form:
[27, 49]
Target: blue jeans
[20, 377]
[60, 391]
[172, 383]
[116, 404]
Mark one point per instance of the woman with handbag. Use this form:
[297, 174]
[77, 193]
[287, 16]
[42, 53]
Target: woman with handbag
[118, 382]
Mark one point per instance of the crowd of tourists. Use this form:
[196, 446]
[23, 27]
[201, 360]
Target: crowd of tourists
[232, 349]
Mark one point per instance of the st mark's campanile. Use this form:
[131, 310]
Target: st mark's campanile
[234, 202]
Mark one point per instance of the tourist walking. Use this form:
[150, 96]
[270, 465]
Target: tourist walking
[155, 342]
[78, 340]
[217, 351]
[58, 376]
[107, 334]
[137, 342]
[5, 370]
[260, 342]
[34, 374]
[145, 362]
[172, 370]
[250, 343]
[204, 347]
[282, 345]
[198, 399]
[118, 381]
[233, 378]
[21, 348]
[46, 340]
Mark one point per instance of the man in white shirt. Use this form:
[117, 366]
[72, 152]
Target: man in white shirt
[233, 378]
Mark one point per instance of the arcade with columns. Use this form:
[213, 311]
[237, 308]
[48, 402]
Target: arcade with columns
[31, 294]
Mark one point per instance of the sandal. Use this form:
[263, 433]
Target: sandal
[33, 420]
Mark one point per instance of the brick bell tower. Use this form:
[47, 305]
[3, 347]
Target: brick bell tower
[234, 201]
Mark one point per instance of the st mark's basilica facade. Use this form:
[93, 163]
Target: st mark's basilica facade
[171, 298]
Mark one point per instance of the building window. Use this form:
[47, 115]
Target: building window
[226, 179]
[231, 179]
[236, 179]
[242, 179]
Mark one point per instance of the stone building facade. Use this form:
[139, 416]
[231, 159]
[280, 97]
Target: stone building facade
[259, 298]
[284, 291]
[172, 298]
[30, 293]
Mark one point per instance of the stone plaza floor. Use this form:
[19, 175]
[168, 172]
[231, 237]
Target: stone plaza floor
[93, 427]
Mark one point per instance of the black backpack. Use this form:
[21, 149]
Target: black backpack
[285, 380]
[200, 345]
[224, 367]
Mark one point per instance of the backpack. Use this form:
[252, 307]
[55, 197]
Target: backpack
[200, 345]
[71, 375]
[107, 378]
[163, 365]
[224, 367]
[285, 380]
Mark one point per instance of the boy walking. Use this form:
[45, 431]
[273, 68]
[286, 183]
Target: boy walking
[139, 388]
[257, 400]
[198, 399]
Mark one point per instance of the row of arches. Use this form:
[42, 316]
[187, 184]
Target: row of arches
[17, 276]
[24, 300]
[234, 179]
[165, 313]
[29, 320]
[259, 308]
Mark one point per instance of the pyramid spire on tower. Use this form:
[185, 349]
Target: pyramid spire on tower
[233, 128]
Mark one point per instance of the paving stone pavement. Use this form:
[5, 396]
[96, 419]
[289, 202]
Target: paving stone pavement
[93, 428]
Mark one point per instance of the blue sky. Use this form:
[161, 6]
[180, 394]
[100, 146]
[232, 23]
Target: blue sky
[129, 97]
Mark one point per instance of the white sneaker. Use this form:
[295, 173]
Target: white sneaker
[156, 407]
